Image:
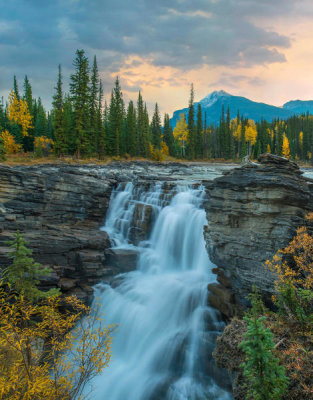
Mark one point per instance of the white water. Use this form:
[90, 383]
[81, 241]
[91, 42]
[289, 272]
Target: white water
[166, 334]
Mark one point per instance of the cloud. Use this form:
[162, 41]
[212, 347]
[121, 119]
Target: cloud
[36, 35]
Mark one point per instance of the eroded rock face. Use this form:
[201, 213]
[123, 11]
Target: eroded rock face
[59, 210]
[253, 211]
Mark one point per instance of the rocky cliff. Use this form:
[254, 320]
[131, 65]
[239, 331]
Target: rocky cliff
[60, 208]
[252, 211]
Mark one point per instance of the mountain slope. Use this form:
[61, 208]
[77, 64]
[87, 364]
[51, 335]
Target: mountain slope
[299, 106]
[212, 106]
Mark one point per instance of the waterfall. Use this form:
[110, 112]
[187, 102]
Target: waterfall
[163, 347]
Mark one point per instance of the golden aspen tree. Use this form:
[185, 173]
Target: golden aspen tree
[285, 147]
[251, 134]
[11, 147]
[181, 132]
[18, 113]
[268, 148]
[236, 128]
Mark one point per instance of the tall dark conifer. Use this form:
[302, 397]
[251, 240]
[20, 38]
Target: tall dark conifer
[80, 95]
[156, 130]
[116, 121]
[199, 134]
[191, 126]
[93, 106]
[168, 135]
[131, 140]
[61, 145]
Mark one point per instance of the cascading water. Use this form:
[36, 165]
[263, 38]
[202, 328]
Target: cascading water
[166, 334]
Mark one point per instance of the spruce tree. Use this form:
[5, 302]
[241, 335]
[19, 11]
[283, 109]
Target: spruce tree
[191, 126]
[199, 134]
[131, 140]
[15, 88]
[61, 145]
[79, 89]
[266, 379]
[28, 96]
[24, 273]
[156, 130]
[41, 122]
[115, 121]
[142, 129]
[100, 130]
[94, 106]
[168, 135]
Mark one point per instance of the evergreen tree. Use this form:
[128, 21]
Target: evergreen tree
[266, 379]
[61, 145]
[156, 130]
[94, 106]
[115, 121]
[15, 88]
[79, 89]
[69, 125]
[199, 134]
[24, 273]
[168, 135]
[191, 126]
[28, 96]
[131, 140]
[100, 130]
[142, 129]
[41, 122]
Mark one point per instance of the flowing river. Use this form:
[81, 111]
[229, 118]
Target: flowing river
[163, 347]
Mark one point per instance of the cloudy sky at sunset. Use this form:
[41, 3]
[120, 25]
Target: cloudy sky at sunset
[258, 49]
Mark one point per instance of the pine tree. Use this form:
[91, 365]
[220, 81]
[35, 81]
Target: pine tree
[94, 106]
[61, 145]
[266, 379]
[156, 130]
[199, 134]
[142, 129]
[15, 88]
[100, 130]
[168, 135]
[41, 122]
[79, 89]
[28, 96]
[24, 273]
[69, 125]
[191, 126]
[131, 140]
[115, 121]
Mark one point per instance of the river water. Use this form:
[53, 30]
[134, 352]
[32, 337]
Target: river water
[166, 335]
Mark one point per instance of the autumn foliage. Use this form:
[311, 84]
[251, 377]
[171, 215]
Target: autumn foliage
[50, 347]
[11, 147]
[18, 113]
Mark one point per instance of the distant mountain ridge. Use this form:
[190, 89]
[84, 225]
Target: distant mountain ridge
[211, 105]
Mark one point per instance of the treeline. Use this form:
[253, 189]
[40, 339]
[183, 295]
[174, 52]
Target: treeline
[82, 124]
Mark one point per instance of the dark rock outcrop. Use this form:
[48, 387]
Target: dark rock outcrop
[59, 210]
[252, 211]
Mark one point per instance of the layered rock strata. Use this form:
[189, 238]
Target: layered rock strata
[252, 211]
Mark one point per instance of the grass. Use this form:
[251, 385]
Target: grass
[30, 159]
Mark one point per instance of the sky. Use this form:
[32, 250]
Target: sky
[260, 49]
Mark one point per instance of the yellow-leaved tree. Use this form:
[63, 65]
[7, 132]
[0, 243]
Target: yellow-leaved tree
[11, 147]
[236, 128]
[285, 147]
[18, 113]
[50, 347]
[251, 134]
[181, 132]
